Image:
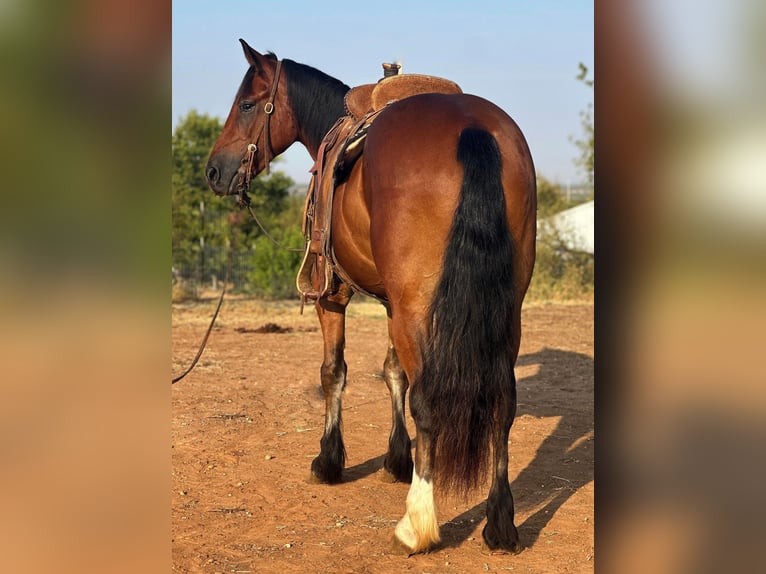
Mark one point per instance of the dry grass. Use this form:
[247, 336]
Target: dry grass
[184, 291]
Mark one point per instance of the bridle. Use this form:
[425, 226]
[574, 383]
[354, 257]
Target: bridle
[249, 159]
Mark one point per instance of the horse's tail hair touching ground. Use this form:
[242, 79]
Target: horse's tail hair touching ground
[467, 374]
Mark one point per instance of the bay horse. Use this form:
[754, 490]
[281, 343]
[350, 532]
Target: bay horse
[437, 219]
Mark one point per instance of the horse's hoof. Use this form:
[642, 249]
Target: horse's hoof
[517, 549]
[500, 549]
[400, 548]
[507, 543]
[406, 540]
[313, 479]
[387, 476]
[323, 475]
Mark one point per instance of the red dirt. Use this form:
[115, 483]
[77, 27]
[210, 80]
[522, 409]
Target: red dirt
[247, 422]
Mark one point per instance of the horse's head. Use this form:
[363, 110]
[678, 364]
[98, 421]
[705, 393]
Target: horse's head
[260, 121]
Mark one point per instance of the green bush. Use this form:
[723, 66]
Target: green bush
[272, 268]
[560, 274]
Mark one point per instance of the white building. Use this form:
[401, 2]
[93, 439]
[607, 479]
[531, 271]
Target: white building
[575, 227]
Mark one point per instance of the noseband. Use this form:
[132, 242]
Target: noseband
[249, 159]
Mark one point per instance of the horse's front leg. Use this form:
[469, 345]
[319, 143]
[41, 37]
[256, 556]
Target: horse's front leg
[331, 309]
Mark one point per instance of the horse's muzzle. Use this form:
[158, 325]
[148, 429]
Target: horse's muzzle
[218, 181]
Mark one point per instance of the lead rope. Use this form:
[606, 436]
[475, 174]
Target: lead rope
[212, 322]
[267, 234]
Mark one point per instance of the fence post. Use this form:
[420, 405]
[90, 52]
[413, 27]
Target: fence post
[201, 243]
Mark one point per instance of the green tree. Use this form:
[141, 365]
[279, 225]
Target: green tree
[272, 270]
[550, 198]
[191, 142]
[586, 145]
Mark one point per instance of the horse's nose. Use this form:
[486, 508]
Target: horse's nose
[213, 174]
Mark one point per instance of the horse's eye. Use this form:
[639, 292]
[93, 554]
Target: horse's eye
[246, 106]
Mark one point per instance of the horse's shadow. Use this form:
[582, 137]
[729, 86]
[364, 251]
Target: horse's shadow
[363, 469]
[568, 448]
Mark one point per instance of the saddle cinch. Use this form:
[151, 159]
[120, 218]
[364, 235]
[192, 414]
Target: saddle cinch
[339, 151]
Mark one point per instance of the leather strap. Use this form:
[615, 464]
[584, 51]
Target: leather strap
[269, 109]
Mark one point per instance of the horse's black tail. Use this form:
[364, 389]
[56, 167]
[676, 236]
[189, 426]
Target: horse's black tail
[467, 376]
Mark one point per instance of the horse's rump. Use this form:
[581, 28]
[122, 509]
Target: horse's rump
[412, 183]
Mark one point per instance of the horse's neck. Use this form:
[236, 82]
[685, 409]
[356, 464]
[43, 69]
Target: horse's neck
[317, 103]
[313, 147]
[311, 139]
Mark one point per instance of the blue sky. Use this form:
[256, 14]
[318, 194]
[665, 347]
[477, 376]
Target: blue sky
[522, 55]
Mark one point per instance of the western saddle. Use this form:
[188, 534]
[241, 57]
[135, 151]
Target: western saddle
[341, 148]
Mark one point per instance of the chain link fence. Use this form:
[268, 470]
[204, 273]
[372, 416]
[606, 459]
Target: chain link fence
[257, 266]
[209, 269]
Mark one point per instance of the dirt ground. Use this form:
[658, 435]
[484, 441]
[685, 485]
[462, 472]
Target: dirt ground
[247, 421]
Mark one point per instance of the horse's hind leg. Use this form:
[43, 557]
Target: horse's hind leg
[500, 532]
[328, 466]
[398, 462]
[418, 530]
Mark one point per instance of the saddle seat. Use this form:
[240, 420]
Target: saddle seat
[341, 148]
[367, 98]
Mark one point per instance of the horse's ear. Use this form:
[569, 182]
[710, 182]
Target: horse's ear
[253, 57]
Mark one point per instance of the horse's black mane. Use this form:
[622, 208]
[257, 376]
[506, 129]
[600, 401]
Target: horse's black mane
[316, 99]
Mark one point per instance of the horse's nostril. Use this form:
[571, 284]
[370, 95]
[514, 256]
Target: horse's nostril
[212, 173]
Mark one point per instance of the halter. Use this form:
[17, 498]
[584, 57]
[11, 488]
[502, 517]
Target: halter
[252, 148]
